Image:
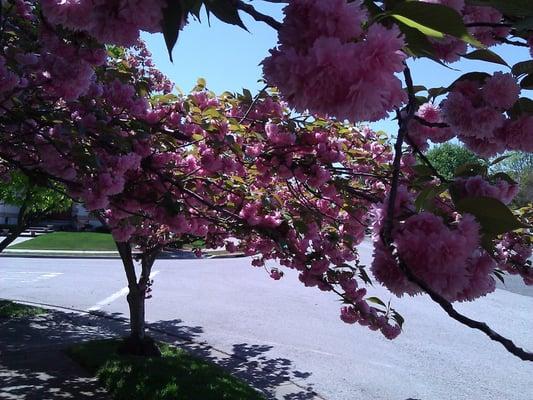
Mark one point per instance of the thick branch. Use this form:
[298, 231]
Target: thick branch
[250, 10]
[124, 249]
[453, 313]
[386, 237]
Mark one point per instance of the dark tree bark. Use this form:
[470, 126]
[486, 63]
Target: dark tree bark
[23, 221]
[138, 343]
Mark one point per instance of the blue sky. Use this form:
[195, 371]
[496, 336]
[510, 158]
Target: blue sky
[228, 57]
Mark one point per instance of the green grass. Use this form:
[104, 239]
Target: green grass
[83, 241]
[8, 309]
[175, 376]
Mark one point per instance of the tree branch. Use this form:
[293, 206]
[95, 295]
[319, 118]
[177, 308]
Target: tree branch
[386, 237]
[250, 10]
[454, 314]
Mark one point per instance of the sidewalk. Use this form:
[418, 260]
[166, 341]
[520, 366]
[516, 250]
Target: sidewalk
[34, 366]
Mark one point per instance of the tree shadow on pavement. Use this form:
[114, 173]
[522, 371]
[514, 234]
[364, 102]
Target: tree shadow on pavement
[33, 363]
[276, 377]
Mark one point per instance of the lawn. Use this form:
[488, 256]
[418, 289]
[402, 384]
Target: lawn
[82, 241]
[175, 376]
[8, 309]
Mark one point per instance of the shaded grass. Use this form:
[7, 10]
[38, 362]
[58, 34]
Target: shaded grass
[83, 241]
[8, 309]
[176, 375]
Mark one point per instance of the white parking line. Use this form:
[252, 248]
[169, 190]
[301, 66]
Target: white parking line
[28, 276]
[117, 295]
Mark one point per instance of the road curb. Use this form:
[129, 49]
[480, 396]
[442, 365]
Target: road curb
[112, 256]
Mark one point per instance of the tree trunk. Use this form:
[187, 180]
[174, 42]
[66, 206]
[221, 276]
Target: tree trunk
[11, 236]
[137, 343]
[136, 303]
[22, 223]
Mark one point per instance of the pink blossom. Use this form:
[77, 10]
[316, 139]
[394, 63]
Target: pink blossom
[115, 21]
[276, 274]
[420, 133]
[391, 331]
[123, 233]
[448, 49]
[485, 14]
[444, 257]
[8, 79]
[331, 18]
[476, 186]
[349, 315]
[478, 272]
[328, 77]
[475, 112]
[519, 134]
[501, 91]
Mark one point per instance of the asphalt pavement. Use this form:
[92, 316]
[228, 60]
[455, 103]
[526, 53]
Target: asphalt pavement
[283, 326]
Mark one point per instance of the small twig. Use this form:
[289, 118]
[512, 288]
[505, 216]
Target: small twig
[254, 102]
[425, 160]
[511, 42]
[488, 25]
[422, 121]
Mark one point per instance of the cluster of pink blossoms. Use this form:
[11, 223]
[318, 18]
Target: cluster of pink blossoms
[108, 21]
[445, 256]
[419, 134]
[450, 49]
[336, 68]
[476, 186]
[476, 113]
[513, 253]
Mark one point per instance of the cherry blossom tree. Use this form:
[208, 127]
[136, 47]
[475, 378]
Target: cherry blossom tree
[287, 172]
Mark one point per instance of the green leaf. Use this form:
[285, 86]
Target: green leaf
[500, 159]
[502, 176]
[494, 217]
[508, 7]
[524, 24]
[435, 92]
[434, 20]
[398, 318]
[419, 88]
[486, 55]
[226, 11]
[527, 82]
[364, 276]
[480, 77]
[500, 275]
[247, 95]
[376, 300]
[418, 44]
[422, 170]
[471, 169]
[522, 68]
[173, 16]
[522, 106]
[201, 84]
[427, 194]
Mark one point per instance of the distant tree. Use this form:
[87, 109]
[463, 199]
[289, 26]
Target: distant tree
[447, 157]
[34, 200]
[519, 166]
